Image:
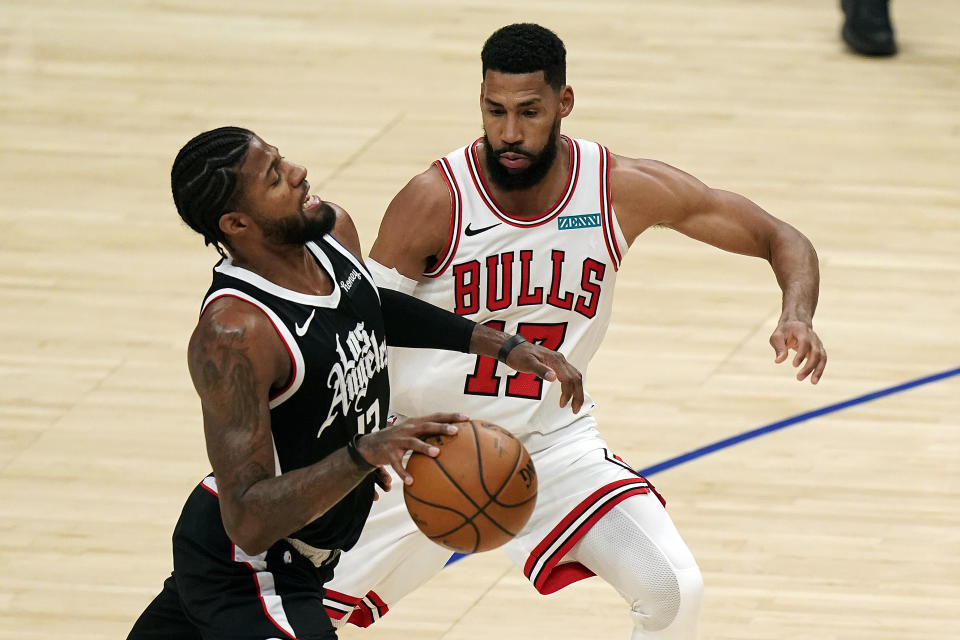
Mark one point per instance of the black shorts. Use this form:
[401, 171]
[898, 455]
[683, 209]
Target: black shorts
[217, 592]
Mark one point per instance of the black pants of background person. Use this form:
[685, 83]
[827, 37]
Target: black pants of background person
[867, 28]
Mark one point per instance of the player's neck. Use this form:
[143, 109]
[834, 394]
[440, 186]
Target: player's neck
[534, 201]
[292, 268]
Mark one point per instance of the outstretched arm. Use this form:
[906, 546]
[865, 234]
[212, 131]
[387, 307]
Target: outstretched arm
[731, 222]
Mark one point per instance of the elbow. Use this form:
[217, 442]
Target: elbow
[246, 532]
[788, 241]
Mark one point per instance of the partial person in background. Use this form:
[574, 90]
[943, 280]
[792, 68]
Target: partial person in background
[867, 29]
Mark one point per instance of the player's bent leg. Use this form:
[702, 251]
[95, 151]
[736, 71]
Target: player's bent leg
[391, 559]
[164, 619]
[227, 594]
[636, 548]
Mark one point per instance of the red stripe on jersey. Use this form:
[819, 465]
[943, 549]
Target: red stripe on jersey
[607, 216]
[456, 220]
[293, 362]
[209, 488]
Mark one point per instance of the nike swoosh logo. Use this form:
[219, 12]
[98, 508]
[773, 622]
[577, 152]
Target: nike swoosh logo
[302, 331]
[472, 232]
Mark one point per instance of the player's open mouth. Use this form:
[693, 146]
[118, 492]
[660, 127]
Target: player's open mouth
[311, 203]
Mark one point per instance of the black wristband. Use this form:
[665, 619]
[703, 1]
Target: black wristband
[356, 456]
[509, 345]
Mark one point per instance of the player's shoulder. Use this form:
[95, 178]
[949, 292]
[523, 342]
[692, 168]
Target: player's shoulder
[648, 180]
[345, 230]
[231, 330]
[425, 192]
[641, 172]
[415, 226]
[227, 320]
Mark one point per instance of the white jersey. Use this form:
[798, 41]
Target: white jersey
[549, 278]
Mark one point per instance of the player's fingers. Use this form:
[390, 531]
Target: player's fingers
[779, 345]
[419, 446]
[536, 366]
[566, 392]
[383, 479]
[571, 383]
[397, 463]
[445, 417]
[425, 429]
[577, 383]
[803, 350]
[818, 372]
[811, 364]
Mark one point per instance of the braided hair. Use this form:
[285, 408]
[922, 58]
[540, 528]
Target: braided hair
[526, 48]
[204, 180]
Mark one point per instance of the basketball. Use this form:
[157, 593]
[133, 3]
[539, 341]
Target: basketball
[477, 494]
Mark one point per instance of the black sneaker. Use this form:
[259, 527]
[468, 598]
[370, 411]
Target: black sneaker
[867, 28]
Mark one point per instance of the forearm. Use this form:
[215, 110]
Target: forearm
[795, 264]
[411, 322]
[273, 507]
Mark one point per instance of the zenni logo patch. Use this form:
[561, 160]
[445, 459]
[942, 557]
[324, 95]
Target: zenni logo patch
[578, 222]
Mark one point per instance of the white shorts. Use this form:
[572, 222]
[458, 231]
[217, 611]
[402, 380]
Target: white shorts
[579, 480]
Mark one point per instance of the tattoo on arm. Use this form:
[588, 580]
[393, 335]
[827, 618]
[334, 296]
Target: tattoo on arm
[232, 380]
[232, 374]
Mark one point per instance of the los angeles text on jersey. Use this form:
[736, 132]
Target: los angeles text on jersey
[503, 280]
[350, 377]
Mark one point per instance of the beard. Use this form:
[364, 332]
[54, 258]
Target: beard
[540, 163]
[300, 228]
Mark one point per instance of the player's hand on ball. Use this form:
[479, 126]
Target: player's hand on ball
[549, 365]
[382, 477]
[389, 445]
[799, 336]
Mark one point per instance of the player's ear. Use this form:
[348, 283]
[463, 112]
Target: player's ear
[566, 100]
[483, 89]
[233, 223]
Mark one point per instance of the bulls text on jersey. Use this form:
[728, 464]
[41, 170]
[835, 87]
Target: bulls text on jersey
[502, 280]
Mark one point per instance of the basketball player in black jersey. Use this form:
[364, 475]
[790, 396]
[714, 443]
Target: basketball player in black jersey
[289, 360]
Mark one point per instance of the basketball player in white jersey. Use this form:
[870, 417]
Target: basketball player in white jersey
[525, 229]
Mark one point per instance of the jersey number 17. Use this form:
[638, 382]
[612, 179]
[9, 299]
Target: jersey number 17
[484, 380]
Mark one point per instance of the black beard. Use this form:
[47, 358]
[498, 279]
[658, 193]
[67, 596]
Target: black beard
[300, 229]
[540, 163]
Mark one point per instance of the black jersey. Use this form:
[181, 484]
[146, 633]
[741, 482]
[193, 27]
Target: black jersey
[338, 385]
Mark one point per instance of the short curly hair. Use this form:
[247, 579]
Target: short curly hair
[526, 48]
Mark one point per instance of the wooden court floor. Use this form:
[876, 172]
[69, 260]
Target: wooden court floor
[844, 526]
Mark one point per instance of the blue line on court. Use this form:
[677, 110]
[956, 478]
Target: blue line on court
[783, 424]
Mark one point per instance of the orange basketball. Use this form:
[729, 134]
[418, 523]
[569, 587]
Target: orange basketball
[477, 494]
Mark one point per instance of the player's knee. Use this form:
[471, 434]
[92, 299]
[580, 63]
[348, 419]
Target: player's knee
[662, 599]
